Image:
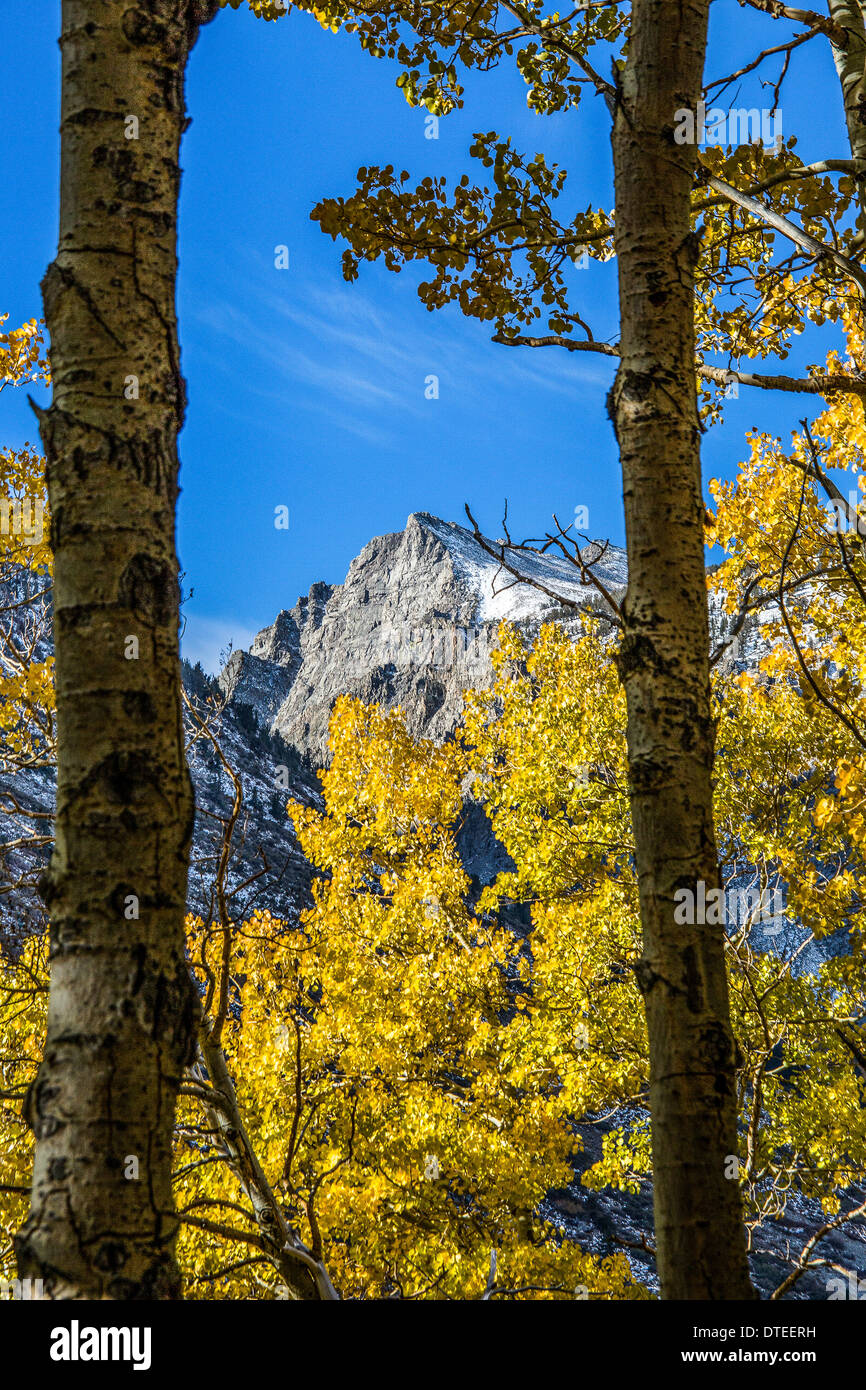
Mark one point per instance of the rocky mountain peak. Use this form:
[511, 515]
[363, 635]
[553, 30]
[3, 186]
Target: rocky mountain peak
[412, 625]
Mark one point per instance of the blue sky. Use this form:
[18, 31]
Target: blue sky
[307, 392]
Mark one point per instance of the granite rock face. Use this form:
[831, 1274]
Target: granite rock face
[412, 625]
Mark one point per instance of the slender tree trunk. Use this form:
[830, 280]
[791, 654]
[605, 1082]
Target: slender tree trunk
[306, 1280]
[850, 62]
[664, 663]
[122, 1013]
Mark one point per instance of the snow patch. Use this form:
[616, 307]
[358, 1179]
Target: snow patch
[500, 596]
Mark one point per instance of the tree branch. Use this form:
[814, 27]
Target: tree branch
[821, 384]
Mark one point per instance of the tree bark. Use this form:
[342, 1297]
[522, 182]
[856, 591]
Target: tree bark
[664, 663]
[850, 64]
[306, 1279]
[122, 1012]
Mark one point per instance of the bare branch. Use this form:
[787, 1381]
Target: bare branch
[821, 384]
[521, 578]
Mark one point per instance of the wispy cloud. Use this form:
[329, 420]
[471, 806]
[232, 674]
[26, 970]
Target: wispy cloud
[363, 365]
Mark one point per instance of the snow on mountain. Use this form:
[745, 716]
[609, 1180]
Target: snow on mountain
[500, 599]
[413, 624]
